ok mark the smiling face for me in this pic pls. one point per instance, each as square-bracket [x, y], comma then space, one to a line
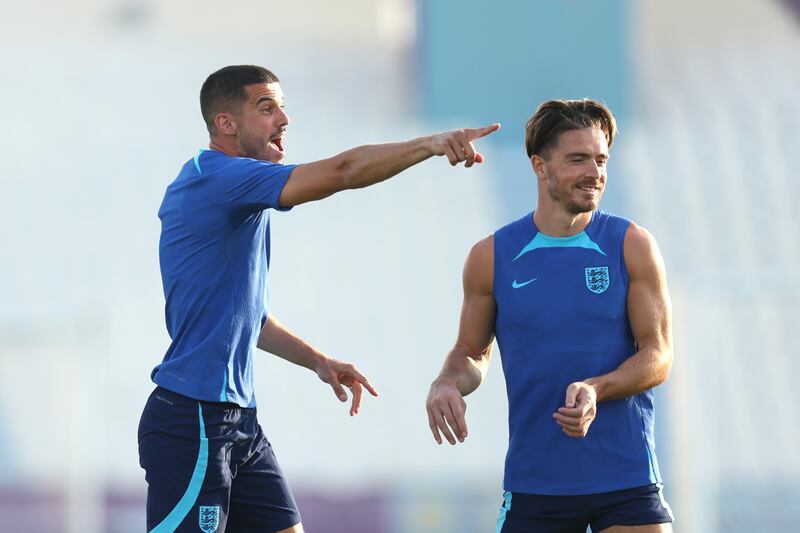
[261, 123]
[572, 172]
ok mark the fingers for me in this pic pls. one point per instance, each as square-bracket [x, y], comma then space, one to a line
[458, 151]
[572, 395]
[458, 409]
[457, 145]
[357, 393]
[574, 427]
[338, 390]
[452, 154]
[477, 133]
[447, 416]
[469, 153]
[575, 421]
[439, 419]
[434, 427]
[353, 374]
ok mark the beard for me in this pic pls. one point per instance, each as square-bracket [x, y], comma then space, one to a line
[566, 199]
[256, 147]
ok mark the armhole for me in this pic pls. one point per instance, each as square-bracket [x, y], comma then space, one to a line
[624, 263]
[494, 265]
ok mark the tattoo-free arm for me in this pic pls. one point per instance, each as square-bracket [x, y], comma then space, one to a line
[465, 366]
[650, 316]
[366, 165]
[278, 340]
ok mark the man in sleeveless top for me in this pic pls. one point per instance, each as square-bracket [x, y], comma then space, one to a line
[578, 301]
[208, 464]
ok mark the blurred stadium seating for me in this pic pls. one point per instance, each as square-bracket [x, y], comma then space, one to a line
[100, 108]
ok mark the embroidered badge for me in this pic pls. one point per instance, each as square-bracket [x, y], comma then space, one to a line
[209, 518]
[597, 279]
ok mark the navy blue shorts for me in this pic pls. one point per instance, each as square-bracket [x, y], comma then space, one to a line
[526, 513]
[209, 466]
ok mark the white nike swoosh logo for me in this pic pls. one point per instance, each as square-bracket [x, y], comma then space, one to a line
[518, 285]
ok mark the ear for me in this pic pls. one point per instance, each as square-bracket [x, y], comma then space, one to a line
[539, 166]
[225, 124]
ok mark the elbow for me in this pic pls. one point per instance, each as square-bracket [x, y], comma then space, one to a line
[347, 176]
[664, 366]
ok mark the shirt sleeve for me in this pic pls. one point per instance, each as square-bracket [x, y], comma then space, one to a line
[250, 185]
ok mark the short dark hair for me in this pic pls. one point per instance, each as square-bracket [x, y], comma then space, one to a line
[224, 90]
[554, 117]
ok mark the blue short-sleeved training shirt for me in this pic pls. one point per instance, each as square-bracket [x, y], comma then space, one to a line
[214, 255]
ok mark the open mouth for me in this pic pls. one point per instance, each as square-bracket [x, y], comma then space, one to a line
[277, 143]
[588, 188]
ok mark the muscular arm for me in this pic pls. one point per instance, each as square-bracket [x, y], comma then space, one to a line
[465, 366]
[278, 340]
[650, 317]
[367, 165]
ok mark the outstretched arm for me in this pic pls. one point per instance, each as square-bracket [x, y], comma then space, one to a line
[278, 340]
[650, 316]
[367, 165]
[465, 366]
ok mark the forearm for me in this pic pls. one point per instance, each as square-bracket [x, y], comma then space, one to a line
[465, 368]
[278, 340]
[645, 369]
[366, 165]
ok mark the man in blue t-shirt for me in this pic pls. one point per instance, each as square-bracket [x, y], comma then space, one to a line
[208, 464]
[578, 301]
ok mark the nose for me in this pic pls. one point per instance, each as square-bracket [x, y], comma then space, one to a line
[284, 119]
[595, 170]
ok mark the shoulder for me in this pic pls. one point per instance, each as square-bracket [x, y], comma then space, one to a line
[638, 239]
[479, 266]
[522, 223]
[642, 254]
[603, 219]
[482, 251]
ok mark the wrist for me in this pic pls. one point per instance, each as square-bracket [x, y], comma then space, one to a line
[596, 384]
[316, 359]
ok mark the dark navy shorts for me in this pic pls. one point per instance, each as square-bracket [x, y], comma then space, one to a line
[528, 513]
[209, 466]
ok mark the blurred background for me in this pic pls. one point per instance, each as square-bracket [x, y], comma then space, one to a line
[100, 106]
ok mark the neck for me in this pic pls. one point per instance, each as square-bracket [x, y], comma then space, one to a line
[225, 145]
[556, 222]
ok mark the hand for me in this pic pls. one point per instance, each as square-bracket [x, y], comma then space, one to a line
[338, 375]
[457, 145]
[446, 409]
[579, 411]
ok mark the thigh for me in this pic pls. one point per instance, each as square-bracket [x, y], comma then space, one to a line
[649, 528]
[261, 500]
[640, 510]
[525, 513]
[188, 479]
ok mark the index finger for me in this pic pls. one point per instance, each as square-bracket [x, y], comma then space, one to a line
[477, 133]
[364, 381]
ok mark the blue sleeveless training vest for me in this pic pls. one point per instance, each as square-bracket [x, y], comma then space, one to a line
[562, 317]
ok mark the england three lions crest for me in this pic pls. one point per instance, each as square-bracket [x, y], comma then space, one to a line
[597, 279]
[209, 518]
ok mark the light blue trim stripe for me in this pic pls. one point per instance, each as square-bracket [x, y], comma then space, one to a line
[223, 395]
[581, 240]
[664, 502]
[176, 516]
[505, 508]
[197, 160]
